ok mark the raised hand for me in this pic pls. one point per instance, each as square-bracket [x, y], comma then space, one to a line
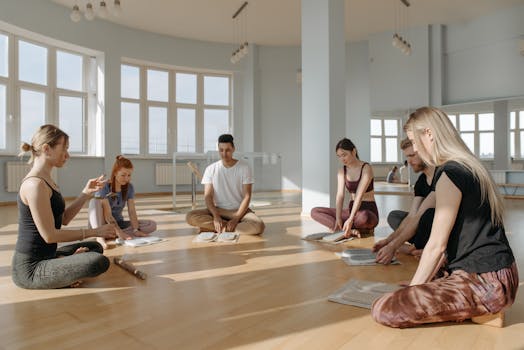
[94, 185]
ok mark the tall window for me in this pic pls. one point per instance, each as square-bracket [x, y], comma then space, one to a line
[384, 140]
[517, 134]
[158, 119]
[48, 85]
[477, 130]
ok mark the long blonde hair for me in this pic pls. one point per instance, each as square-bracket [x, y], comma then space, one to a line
[448, 145]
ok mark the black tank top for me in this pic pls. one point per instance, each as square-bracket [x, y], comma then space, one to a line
[29, 239]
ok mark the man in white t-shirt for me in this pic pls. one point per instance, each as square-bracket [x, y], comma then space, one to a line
[227, 193]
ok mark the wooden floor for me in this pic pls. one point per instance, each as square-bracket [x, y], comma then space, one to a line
[267, 292]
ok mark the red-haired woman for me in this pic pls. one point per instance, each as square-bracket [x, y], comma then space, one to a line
[111, 201]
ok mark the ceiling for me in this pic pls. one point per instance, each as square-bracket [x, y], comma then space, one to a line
[277, 22]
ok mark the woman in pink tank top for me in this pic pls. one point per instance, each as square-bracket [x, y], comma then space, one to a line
[361, 217]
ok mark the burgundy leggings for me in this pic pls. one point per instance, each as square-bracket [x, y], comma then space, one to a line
[366, 217]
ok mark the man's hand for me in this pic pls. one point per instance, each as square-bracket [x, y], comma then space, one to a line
[219, 224]
[386, 254]
[379, 245]
[231, 225]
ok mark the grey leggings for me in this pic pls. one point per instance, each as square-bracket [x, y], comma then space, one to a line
[62, 270]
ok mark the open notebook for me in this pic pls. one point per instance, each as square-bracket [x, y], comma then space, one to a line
[204, 237]
[362, 293]
[361, 256]
[328, 237]
[139, 241]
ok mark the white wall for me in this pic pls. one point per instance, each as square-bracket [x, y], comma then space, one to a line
[358, 108]
[280, 109]
[398, 81]
[482, 57]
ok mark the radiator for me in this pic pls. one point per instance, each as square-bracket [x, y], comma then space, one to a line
[164, 174]
[15, 172]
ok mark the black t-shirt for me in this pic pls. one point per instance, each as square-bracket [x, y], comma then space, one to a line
[422, 189]
[474, 244]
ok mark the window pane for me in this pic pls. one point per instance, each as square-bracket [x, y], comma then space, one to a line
[4, 55]
[130, 82]
[157, 85]
[521, 120]
[512, 120]
[32, 63]
[130, 128]
[521, 144]
[486, 145]
[512, 144]
[216, 123]
[467, 122]
[469, 140]
[157, 130]
[376, 149]
[391, 149]
[69, 71]
[453, 119]
[486, 122]
[390, 127]
[186, 139]
[71, 120]
[3, 99]
[376, 127]
[32, 113]
[216, 91]
[186, 88]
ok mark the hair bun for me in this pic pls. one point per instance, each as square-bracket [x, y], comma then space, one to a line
[26, 147]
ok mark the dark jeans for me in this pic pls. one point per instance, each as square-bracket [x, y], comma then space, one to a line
[423, 231]
[61, 270]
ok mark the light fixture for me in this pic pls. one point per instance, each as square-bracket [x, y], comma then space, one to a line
[75, 14]
[90, 13]
[239, 34]
[102, 9]
[398, 41]
[92, 9]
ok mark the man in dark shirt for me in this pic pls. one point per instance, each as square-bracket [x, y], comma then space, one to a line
[413, 226]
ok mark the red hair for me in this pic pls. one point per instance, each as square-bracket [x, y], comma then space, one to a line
[120, 162]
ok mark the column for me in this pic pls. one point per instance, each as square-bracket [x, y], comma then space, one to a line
[323, 99]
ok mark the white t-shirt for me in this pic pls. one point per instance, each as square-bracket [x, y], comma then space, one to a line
[227, 183]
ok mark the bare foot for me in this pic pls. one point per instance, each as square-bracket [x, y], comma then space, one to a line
[141, 234]
[102, 242]
[81, 250]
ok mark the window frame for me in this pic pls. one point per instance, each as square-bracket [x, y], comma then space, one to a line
[91, 60]
[518, 131]
[172, 107]
[476, 132]
[383, 137]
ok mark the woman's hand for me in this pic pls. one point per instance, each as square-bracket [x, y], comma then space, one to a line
[94, 185]
[338, 225]
[107, 231]
[348, 225]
